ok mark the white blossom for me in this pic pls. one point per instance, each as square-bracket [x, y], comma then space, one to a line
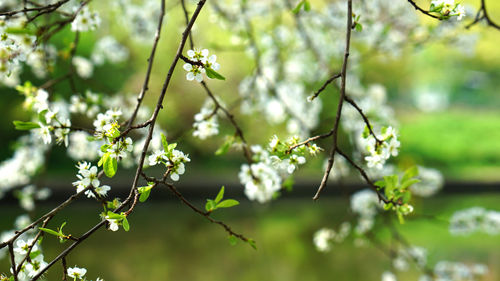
[113, 224]
[388, 276]
[266, 182]
[76, 273]
[322, 239]
[85, 20]
[84, 67]
[431, 181]
[474, 219]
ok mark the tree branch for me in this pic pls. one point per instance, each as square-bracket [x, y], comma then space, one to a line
[340, 103]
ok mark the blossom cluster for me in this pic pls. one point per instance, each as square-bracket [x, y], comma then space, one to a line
[28, 194]
[138, 18]
[53, 118]
[205, 122]
[109, 49]
[85, 20]
[263, 178]
[88, 176]
[431, 181]
[474, 219]
[324, 237]
[380, 152]
[22, 245]
[172, 158]
[447, 8]
[18, 48]
[195, 71]
[455, 271]
[28, 158]
[366, 204]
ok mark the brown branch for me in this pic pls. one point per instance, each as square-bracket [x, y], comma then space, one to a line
[427, 13]
[482, 14]
[41, 10]
[133, 190]
[381, 197]
[239, 132]
[30, 247]
[12, 260]
[246, 150]
[323, 87]
[65, 269]
[186, 18]
[186, 202]
[365, 119]
[307, 141]
[47, 215]
[340, 103]
[150, 60]
[187, 60]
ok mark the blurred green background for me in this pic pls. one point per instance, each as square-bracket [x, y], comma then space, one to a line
[169, 242]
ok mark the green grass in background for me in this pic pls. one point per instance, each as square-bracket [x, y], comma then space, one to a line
[462, 143]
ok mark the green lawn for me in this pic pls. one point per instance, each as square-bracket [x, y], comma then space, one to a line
[463, 143]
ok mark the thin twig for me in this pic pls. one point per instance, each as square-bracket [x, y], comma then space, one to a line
[423, 11]
[340, 103]
[150, 60]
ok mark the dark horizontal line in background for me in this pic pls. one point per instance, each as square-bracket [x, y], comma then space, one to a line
[306, 190]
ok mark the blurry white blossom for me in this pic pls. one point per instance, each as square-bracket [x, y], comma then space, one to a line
[474, 219]
[85, 20]
[108, 49]
[431, 181]
[322, 239]
[84, 67]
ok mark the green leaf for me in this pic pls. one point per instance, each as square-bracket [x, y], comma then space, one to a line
[406, 197]
[125, 224]
[23, 126]
[400, 217]
[227, 203]
[110, 166]
[366, 132]
[224, 148]
[232, 240]
[387, 206]
[213, 74]
[307, 6]
[380, 184]
[115, 216]
[252, 243]
[61, 227]
[164, 142]
[41, 116]
[408, 183]
[358, 27]
[144, 195]
[19, 30]
[410, 173]
[297, 8]
[220, 195]
[34, 254]
[171, 146]
[210, 205]
[103, 159]
[50, 231]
